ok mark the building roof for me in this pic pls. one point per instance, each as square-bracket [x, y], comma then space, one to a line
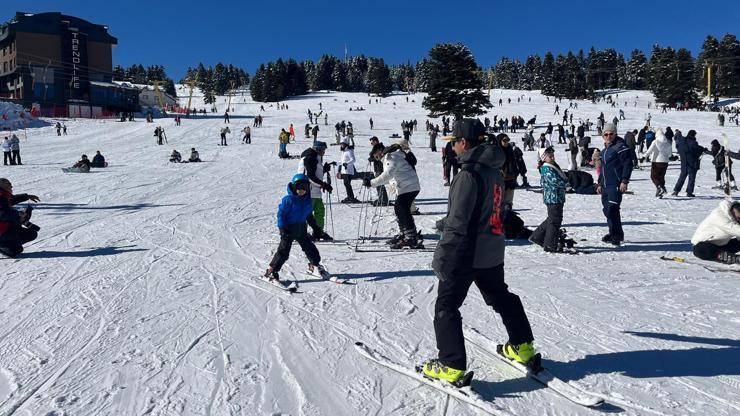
[50, 22]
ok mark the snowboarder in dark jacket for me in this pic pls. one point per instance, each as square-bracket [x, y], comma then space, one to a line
[472, 250]
[616, 169]
[15, 230]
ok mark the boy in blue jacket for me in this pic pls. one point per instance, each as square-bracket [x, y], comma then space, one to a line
[294, 210]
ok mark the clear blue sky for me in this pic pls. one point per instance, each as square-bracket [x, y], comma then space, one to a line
[178, 34]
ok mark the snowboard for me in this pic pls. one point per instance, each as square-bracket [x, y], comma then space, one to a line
[73, 170]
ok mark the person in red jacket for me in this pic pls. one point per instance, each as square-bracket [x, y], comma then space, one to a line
[15, 230]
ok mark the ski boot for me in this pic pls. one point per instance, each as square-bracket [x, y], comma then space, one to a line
[349, 200]
[321, 236]
[435, 370]
[272, 275]
[447, 183]
[407, 243]
[318, 271]
[522, 353]
[395, 239]
[728, 258]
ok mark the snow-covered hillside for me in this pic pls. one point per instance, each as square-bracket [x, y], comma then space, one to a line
[139, 296]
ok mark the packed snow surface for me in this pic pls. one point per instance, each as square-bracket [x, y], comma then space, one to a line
[139, 297]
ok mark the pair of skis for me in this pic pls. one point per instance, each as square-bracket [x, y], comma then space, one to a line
[463, 390]
[292, 286]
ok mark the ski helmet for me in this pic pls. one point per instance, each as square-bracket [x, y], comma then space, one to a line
[299, 177]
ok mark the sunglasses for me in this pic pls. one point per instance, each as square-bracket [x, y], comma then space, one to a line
[609, 134]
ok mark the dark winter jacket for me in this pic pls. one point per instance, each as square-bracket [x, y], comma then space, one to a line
[629, 140]
[693, 152]
[553, 182]
[310, 159]
[9, 217]
[470, 239]
[448, 155]
[293, 209]
[98, 161]
[616, 164]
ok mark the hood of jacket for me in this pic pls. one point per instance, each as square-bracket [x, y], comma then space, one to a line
[485, 156]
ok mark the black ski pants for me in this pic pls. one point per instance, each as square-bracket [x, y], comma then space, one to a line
[16, 158]
[689, 171]
[11, 243]
[718, 170]
[546, 235]
[451, 294]
[709, 251]
[294, 232]
[402, 208]
[8, 159]
[611, 201]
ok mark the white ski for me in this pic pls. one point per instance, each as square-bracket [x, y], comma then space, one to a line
[287, 286]
[543, 375]
[321, 273]
[464, 394]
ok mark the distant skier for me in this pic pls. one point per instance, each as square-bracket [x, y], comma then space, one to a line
[226, 117]
[15, 149]
[294, 210]
[7, 152]
[718, 236]
[15, 228]
[450, 165]
[283, 139]
[247, 135]
[224, 131]
[472, 250]
[718, 153]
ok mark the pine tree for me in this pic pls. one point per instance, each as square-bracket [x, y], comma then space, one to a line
[356, 70]
[339, 76]
[635, 72]
[423, 75]
[455, 88]
[548, 74]
[531, 74]
[324, 69]
[378, 77]
[728, 67]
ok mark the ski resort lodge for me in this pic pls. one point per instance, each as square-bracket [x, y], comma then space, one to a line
[61, 65]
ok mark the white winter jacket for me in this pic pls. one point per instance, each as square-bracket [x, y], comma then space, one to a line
[719, 227]
[348, 161]
[660, 149]
[398, 172]
[6, 145]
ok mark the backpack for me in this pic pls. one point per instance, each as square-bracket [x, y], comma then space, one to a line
[410, 159]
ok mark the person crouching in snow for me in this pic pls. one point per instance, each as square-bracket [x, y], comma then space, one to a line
[293, 212]
[554, 183]
[718, 236]
[398, 172]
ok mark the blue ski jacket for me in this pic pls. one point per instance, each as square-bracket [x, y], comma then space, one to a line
[616, 164]
[293, 209]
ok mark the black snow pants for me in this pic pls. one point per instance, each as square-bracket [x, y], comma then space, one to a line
[11, 242]
[294, 232]
[709, 251]
[402, 208]
[448, 322]
[546, 235]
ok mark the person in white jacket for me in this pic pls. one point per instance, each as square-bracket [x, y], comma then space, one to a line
[659, 152]
[718, 236]
[7, 158]
[347, 171]
[399, 173]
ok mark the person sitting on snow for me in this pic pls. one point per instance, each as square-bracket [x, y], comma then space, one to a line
[82, 165]
[194, 156]
[98, 161]
[175, 157]
[718, 237]
[15, 230]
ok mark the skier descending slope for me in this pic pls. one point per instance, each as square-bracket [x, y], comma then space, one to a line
[294, 210]
[472, 250]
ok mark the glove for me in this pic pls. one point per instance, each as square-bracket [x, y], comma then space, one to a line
[327, 167]
[326, 187]
[366, 182]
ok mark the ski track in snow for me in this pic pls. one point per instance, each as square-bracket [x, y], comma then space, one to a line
[139, 296]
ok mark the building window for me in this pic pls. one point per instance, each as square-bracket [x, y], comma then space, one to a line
[5, 67]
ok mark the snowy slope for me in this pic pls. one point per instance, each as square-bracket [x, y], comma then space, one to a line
[138, 297]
